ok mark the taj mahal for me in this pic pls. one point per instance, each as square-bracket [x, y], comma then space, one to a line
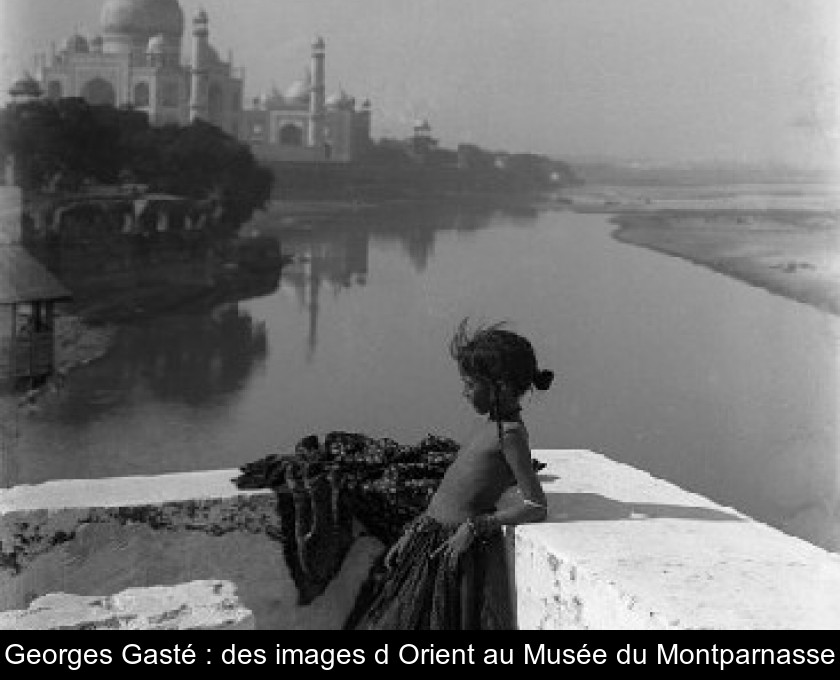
[137, 59]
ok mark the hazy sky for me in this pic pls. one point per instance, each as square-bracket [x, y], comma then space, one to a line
[657, 79]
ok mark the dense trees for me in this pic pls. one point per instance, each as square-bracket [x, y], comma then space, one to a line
[469, 168]
[393, 168]
[66, 143]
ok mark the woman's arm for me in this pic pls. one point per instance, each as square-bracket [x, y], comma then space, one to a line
[533, 506]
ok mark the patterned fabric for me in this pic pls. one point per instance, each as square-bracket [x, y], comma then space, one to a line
[422, 593]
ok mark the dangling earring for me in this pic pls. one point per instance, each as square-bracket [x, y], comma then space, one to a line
[497, 396]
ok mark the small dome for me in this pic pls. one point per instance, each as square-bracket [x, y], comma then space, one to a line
[341, 100]
[422, 125]
[318, 43]
[267, 98]
[272, 100]
[157, 45]
[297, 91]
[201, 17]
[26, 86]
[76, 44]
[366, 104]
[143, 18]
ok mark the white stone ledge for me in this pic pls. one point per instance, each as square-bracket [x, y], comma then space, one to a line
[200, 605]
[620, 550]
[100, 537]
[123, 491]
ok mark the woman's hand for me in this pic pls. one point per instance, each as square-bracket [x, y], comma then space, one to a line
[393, 554]
[457, 545]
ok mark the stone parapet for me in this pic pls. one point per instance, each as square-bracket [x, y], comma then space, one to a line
[624, 550]
[100, 537]
[620, 550]
[199, 605]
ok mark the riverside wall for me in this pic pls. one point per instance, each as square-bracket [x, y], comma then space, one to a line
[620, 550]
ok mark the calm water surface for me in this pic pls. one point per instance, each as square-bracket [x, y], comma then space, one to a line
[722, 388]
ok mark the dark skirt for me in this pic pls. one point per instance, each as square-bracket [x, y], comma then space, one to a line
[422, 592]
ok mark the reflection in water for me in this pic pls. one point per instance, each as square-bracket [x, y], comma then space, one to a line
[418, 229]
[336, 253]
[190, 359]
[158, 402]
[688, 375]
[338, 258]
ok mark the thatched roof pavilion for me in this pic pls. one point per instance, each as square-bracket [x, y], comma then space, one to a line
[27, 296]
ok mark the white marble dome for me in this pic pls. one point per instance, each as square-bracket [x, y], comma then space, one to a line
[341, 100]
[272, 100]
[142, 18]
[298, 91]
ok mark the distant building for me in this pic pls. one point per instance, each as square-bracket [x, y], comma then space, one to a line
[421, 142]
[301, 124]
[137, 61]
[28, 293]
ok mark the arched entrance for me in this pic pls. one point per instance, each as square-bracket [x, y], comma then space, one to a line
[99, 92]
[291, 135]
[141, 94]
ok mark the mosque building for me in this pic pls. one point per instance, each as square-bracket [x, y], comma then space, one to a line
[137, 60]
[302, 124]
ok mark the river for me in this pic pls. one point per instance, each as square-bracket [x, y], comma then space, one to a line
[719, 387]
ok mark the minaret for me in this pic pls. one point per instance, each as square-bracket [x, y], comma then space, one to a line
[317, 95]
[198, 92]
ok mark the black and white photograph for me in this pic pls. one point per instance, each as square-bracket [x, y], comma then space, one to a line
[331, 315]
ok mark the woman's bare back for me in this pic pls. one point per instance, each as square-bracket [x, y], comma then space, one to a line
[476, 478]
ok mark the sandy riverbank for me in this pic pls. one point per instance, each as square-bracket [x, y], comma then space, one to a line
[787, 241]
[790, 253]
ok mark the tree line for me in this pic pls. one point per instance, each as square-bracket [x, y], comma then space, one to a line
[62, 145]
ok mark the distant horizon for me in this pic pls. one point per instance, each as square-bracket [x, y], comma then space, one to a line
[744, 82]
[697, 163]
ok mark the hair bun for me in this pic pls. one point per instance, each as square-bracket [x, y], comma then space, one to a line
[543, 380]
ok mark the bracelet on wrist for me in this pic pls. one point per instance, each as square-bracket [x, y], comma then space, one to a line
[471, 526]
[482, 526]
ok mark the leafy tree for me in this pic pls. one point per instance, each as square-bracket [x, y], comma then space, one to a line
[65, 143]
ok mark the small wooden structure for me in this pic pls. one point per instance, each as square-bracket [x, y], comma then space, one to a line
[28, 293]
